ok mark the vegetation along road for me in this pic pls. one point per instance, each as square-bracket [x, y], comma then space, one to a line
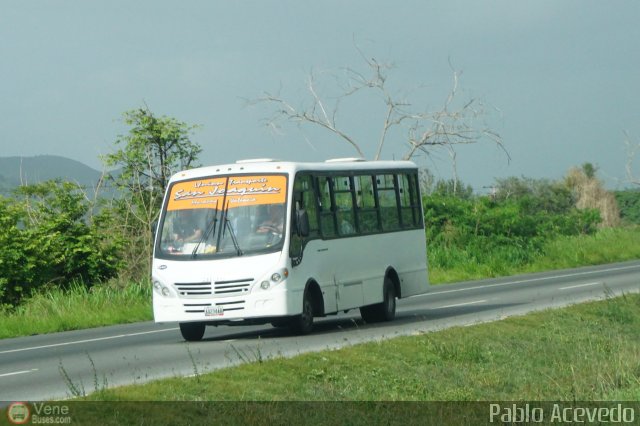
[74, 363]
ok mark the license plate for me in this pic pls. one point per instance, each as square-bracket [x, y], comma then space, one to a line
[213, 311]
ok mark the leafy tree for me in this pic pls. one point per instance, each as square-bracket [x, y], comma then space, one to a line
[629, 203]
[453, 188]
[589, 170]
[15, 265]
[153, 150]
[536, 195]
[51, 240]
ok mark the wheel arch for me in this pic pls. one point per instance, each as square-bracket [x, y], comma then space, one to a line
[317, 299]
[392, 274]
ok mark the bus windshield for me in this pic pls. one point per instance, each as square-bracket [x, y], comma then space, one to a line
[222, 217]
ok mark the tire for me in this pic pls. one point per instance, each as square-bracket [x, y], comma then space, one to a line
[385, 310]
[192, 331]
[303, 323]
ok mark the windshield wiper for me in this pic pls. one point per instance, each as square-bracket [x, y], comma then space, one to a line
[227, 224]
[234, 238]
[210, 227]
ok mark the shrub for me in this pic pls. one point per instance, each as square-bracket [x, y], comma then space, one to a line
[629, 204]
[510, 229]
[50, 239]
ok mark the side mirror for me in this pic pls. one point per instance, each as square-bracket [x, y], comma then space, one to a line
[302, 223]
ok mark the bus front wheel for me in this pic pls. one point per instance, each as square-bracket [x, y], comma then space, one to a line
[303, 323]
[192, 331]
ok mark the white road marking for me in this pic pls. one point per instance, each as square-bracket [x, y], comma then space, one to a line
[580, 285]
[76, 342]
[577, 274]
[461, 304]
[15, 373]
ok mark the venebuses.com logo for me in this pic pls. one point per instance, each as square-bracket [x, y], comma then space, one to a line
[18, 413]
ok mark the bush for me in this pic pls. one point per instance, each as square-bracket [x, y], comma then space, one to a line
[50, 239]
[511, 229]
[629, 204]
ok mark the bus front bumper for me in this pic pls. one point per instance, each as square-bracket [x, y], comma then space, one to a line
[251, 307]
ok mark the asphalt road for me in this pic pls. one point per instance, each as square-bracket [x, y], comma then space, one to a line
[56, 366]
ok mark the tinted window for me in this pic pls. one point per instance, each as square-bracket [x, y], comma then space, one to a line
[388, 202]
[327, 219]
[366, 205]
[344, 205]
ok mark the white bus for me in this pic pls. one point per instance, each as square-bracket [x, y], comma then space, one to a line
[265, 241]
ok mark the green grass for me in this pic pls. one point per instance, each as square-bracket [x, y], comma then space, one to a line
[78, 308]
[116, 304]
[605, 246]
[591, 352]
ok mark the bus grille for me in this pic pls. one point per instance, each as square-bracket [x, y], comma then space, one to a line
[218, 288]
[194, 289]
[232, 287]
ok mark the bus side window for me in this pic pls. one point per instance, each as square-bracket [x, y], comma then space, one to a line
[327, 209]
[408, 200]
[307, 201]
[388, 202]
[344, 205]
[366, 205]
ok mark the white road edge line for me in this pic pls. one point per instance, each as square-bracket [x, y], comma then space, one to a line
[579, 285]
[461, 304]
[76, 342]
[577, 274]
[15, 373]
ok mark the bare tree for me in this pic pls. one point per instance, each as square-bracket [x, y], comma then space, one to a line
[451, 125]
[632, 150]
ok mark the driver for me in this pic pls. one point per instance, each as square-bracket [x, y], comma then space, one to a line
[274, 222]
[188, 229]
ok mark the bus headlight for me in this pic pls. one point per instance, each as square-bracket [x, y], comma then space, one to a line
[276, 277]
[161, 289]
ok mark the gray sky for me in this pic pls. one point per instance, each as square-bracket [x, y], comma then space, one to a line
[564, 76]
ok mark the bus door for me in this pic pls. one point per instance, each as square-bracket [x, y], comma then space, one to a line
[338, 226]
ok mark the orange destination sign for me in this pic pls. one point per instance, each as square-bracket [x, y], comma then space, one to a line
[239, 191]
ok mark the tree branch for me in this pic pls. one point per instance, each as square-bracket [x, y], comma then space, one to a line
[427, 130]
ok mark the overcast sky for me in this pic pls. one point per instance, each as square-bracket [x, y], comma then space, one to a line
[563, 77]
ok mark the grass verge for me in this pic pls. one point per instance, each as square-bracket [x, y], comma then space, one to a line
[590, 352]
[605, 246]
[78, 308]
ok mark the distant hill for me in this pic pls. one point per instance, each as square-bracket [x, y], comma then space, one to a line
[15, 171]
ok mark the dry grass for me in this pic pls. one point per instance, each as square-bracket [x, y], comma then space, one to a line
[592, 195]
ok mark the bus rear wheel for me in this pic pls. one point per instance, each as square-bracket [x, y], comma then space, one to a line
[192, 331]
[385, 310]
